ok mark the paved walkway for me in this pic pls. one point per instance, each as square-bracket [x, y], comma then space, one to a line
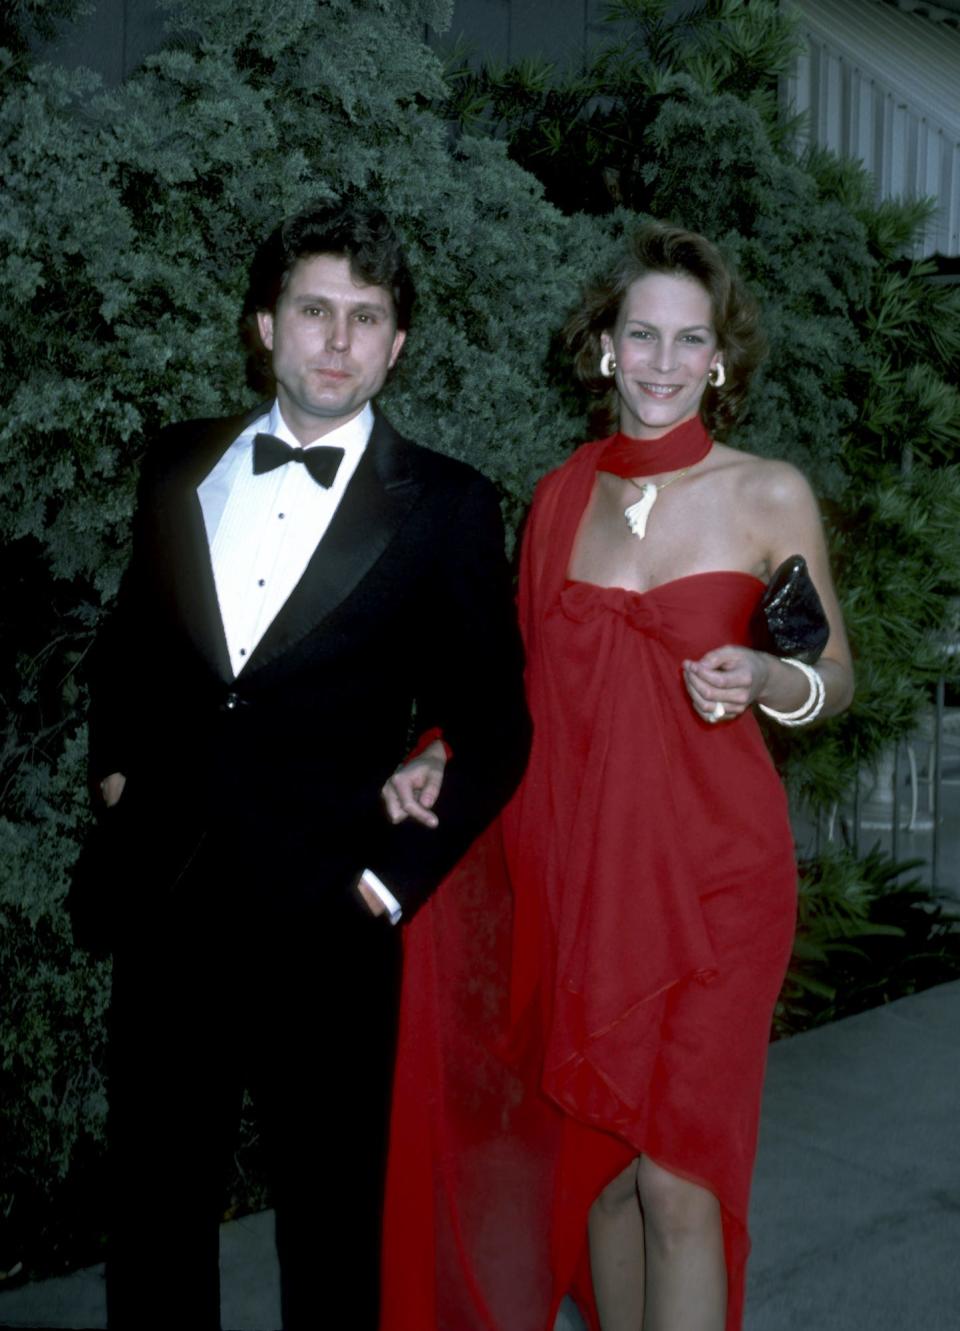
[856, 1206]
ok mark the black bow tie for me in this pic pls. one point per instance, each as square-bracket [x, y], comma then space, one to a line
[321, 462]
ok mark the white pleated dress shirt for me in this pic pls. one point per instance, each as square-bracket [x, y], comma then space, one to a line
[262, 532]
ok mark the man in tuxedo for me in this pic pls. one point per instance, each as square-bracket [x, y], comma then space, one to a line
[307, 591]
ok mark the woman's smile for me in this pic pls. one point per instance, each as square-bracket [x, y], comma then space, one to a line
[661, 391]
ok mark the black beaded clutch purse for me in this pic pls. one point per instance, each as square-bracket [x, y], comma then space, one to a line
[789, 620]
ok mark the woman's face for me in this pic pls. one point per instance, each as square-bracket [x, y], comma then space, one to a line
[665, 345]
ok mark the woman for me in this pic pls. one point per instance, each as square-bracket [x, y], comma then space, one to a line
[649, 847]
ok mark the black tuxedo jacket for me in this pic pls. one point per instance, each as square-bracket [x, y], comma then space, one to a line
[403, 620]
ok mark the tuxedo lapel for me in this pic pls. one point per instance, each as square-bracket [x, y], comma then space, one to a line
[380, 493]
[183, 553]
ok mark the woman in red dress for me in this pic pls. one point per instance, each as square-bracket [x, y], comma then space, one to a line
[649, 849]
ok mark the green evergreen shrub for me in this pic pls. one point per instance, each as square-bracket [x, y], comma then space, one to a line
[23, 21]
[866, 935]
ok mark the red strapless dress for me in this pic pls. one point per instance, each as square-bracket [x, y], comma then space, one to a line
[651, 865]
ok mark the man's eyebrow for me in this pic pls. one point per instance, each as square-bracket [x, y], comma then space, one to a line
[380, 307]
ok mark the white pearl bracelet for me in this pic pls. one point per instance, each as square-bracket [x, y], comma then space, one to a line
[813, 705]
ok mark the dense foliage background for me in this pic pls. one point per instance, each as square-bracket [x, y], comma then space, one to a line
[130, 215]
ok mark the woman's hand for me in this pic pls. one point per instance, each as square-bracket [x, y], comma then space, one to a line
[413, 789]
[726, 681]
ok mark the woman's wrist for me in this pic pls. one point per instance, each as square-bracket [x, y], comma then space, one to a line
[761, 675]
[810, 708]
[784, 688]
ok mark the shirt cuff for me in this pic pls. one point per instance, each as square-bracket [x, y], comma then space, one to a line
[391, 903]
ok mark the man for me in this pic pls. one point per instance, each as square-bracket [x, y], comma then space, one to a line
[302, 580]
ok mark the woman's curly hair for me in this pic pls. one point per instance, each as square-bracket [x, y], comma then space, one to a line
[659, 248]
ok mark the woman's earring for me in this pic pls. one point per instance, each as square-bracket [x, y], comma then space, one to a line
[717, 376]
[608, 365]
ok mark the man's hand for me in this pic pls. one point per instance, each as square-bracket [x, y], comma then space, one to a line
[111, 788]
[413, 789]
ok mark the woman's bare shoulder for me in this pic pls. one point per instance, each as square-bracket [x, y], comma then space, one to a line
[768, 483]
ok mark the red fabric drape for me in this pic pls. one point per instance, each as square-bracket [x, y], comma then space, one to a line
[595, 981]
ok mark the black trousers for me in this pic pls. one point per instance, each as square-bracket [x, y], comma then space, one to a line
[222, 990]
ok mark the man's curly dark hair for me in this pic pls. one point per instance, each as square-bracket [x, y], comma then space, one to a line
[348, 229]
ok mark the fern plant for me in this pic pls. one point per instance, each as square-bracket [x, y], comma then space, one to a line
[868, 932]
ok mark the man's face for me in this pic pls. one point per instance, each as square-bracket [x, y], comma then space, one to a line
[333, 343]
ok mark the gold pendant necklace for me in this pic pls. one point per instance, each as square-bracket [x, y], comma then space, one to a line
[637, 513]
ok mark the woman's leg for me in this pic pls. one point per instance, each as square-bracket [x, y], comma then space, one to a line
[656, 1253]
[686, 1273]
[616, 1253]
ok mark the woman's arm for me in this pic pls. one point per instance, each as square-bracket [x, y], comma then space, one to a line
[787, 522]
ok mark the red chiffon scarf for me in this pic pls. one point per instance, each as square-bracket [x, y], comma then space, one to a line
[683, 446]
